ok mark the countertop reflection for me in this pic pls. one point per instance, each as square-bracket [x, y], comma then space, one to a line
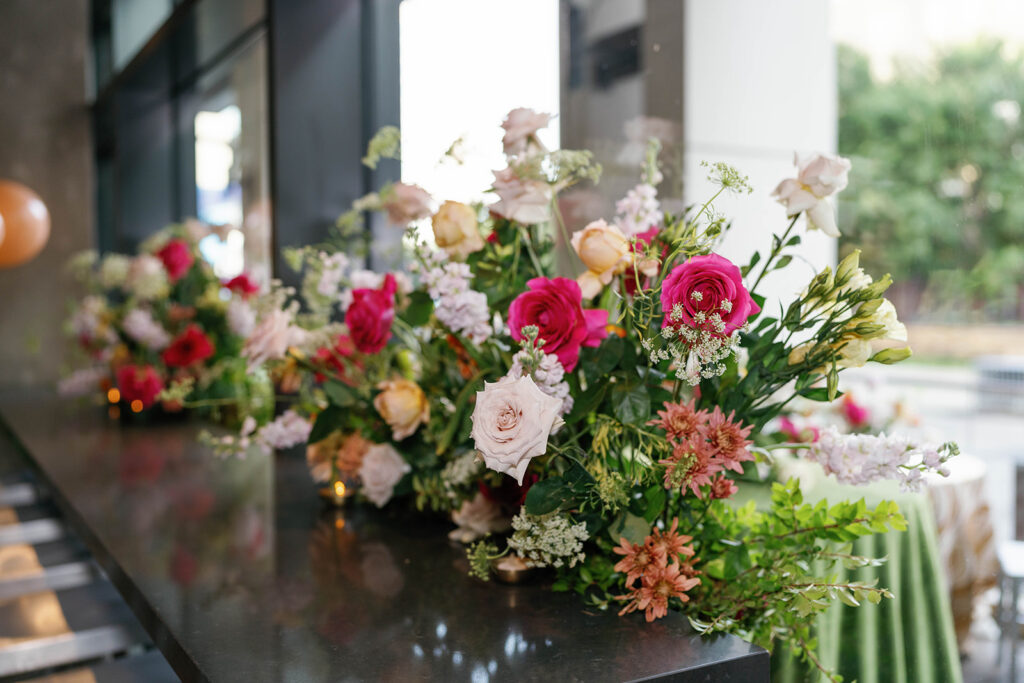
[239, 572]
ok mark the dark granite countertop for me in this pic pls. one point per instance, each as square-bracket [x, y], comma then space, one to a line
[240, 573]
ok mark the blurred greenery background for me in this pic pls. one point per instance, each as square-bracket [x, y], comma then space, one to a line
[936, 193]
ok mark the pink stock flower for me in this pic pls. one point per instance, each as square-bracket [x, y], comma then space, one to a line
[555, 307]
[707, 293]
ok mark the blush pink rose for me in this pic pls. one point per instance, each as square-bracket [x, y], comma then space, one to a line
[555, 306]
[707, 292]
[521, 125]
[370, 315]
[406, 203]
[177, 259]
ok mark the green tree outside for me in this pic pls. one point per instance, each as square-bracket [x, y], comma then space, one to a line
[936, 193]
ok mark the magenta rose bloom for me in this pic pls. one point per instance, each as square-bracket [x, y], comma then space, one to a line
[710, 295]
[177, 259]
[555, 306]
[370, 315]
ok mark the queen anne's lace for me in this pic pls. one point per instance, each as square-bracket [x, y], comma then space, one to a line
[548, 540]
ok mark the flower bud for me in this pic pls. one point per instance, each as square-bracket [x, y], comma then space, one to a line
[890, 356]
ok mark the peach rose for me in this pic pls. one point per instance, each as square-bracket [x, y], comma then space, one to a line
[403, 405]
[455, 230]
[381, 470]
[604, 250]
[512, 421]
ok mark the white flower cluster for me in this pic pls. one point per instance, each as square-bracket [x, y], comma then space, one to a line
[459, 308]
[287, 430]
[140, 325]
[87, 321]
[547, 372]
[696, 354]
[638, 210]
[82, 382]
[460, 471]
[114, 270]
[147, 278]
[332, 271]
[863, 458]
[241, 317]
[548, 540]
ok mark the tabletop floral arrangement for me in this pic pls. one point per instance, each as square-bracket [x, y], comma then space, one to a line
[159, 330]
[601, 425]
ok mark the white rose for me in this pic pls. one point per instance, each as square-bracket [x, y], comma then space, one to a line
[523, 201]
[382, 468]
[477, 518]
[511, 424]
[818, 178]
[521, 126]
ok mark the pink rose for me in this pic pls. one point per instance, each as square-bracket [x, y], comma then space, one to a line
[555, 306]
[520, 126]
[522, 201]
[707, 292]
[406, 203]
[177, 259]
[370, 315]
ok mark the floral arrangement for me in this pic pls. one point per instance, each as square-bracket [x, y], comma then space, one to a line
[604, 425]
[159, 330]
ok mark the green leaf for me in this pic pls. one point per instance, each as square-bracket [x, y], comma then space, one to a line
[587, 402]
[655, 497]
[634, 529]
[329, 419]
[339, 394]
[546, 496]
[631, 405]
[419, 309]
[608, 355]
[783, 262]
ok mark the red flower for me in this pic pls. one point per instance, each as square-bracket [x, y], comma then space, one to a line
[856, 415]
[555, 307]
[139, 383]
[243, 285]
[370, 315]
[189, 347]
[333, 359]
[177, 259]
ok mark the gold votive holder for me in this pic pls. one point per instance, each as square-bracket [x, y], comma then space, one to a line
[338, 492]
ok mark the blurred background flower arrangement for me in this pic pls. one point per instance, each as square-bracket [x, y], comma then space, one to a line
[158, 332]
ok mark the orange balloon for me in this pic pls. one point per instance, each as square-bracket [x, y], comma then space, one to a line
[26, 224]
[1, 230]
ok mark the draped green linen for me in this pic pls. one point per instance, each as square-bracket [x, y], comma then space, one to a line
[907, 639]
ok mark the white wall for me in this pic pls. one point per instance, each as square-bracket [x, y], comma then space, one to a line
[759, 83]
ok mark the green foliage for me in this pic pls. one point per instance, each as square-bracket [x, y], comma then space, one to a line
[934, 190]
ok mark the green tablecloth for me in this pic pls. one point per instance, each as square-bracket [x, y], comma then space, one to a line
[908, 639]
